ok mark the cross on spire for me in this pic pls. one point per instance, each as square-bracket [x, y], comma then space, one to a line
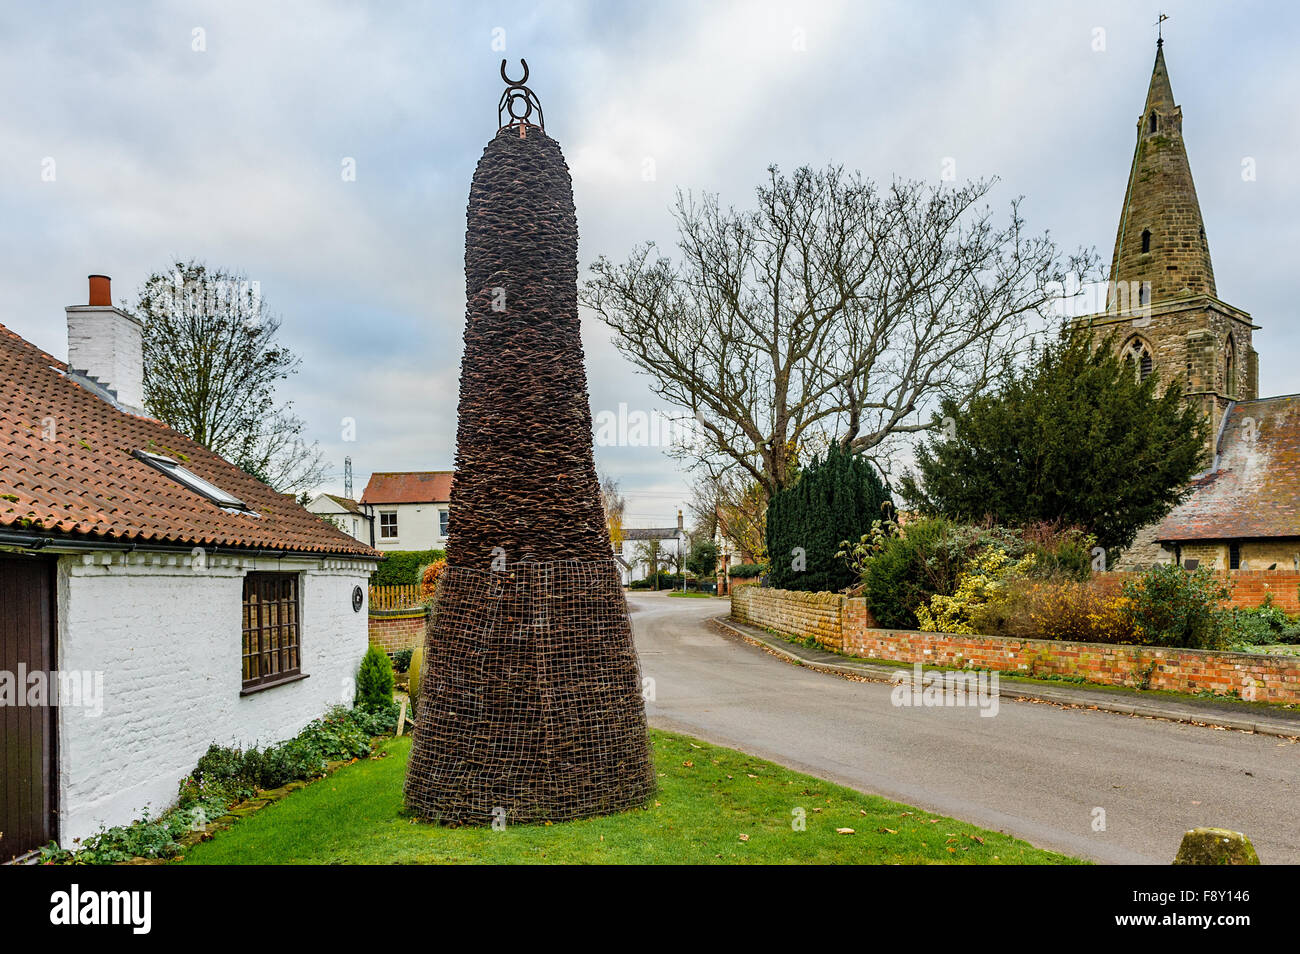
[1160, 38]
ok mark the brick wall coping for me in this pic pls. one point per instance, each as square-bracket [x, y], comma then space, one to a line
[417, 613]
[1017, 641]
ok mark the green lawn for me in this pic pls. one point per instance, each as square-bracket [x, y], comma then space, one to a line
[692, 594]
[714, 805]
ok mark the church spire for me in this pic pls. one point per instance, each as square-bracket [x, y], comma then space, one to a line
[1161, 245]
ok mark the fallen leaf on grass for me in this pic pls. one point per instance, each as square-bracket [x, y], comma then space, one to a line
[744, 838]
[887, 831]
[845, 831]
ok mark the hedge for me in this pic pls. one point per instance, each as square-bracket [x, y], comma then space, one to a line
[402, 567]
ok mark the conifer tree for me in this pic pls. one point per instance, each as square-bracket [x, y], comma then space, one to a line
[832, 500]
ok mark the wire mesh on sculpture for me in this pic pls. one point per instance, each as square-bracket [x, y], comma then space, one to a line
[531, 705]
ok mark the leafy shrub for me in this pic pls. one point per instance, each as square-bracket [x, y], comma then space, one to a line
[374, 680]
[1072, 610]
[1263, 625]
[746, 571]
[903, 569]
[1059, 552]
[290, 761]
[378, 722]
[667, 581]
[984, 584]
[225, 775]
[1170, 606]
[402, 567]
[429, 577]
[344, 733]
[907, 572]
[145, 838]
[402, 660]
[840, 495]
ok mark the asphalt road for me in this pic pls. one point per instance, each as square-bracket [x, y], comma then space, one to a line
[1034, 770]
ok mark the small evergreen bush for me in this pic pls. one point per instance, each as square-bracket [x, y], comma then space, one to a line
[374, 681]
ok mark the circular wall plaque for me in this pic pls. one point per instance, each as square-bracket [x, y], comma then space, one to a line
[358, 599]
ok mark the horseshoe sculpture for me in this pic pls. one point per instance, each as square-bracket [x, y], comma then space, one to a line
[518, 102]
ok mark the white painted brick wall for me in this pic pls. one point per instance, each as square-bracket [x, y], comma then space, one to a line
[168, 640]
[108, 344]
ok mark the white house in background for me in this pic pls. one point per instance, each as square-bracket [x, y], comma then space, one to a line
[177, 600]
[631, 552]
[410, 508]
[344, 513]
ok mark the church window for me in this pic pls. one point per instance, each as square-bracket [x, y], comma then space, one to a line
[1234, 556]
[1230, 369]
[1146, 240]
[1138, 354]
[1151, 123]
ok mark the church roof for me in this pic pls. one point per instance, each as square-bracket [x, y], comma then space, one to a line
[1253, 491]
[1161, 235]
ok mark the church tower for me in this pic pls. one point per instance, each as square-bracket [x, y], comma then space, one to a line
[1161, 302]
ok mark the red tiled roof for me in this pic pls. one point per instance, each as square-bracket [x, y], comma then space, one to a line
[85, 483]
[412, 486]
[1254, 492]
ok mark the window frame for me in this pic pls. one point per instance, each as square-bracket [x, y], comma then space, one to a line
[444, 519]
[382, 527]
[267, 632]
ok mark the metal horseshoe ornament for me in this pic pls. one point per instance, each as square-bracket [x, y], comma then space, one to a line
[518, 102]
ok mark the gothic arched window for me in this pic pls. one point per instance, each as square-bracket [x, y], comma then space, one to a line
[1137, 353]
[1151, 123]
[1230, 369]
[1146, 240]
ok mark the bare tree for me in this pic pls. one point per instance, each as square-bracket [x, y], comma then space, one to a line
[833, 311]
[730, 502]
[211, 363]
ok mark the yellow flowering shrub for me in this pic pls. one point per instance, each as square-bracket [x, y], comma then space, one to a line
[985, 583]
[1078, 611]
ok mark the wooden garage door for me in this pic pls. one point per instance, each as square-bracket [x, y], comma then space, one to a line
[27, 758]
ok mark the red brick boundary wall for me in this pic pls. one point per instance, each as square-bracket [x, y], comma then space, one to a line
[1253, 676]
[1249, 587]
[394, 630]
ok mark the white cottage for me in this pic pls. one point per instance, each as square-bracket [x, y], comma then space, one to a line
[154, 598]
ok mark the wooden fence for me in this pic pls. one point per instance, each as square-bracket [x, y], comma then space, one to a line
[395, 597]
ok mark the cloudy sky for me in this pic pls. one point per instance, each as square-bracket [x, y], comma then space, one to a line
[232, 154]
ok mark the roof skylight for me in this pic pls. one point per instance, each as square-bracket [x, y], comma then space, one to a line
[192, 480]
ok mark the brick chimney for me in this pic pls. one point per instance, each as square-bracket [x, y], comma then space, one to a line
[105, 346]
